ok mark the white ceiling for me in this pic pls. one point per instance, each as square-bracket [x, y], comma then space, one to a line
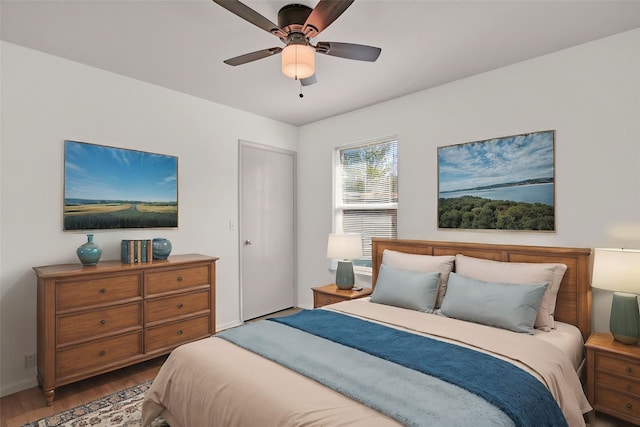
[180, 44]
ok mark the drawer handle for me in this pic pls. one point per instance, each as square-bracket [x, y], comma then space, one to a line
[628, 369]
[180, 305]
[179, 331]
[103, 290]
[103, 322]
[629, 406]
[102, 353]
[328, 299]
[179, 278]
[628, 387]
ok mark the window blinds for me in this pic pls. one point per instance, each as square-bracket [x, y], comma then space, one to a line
[367, 191]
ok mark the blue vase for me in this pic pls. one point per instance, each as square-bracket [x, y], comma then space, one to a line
[161, 248]
[89, 253]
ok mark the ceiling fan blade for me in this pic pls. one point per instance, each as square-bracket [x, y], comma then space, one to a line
[359, 52]
[325, 12]
[250, 15]
[311, 80]
[253, 56]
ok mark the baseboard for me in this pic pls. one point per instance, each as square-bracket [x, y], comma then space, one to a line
[6, 390]
[228, 325]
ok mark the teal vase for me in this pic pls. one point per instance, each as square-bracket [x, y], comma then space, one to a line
[161, 248]
[89, 253]
[624, 319]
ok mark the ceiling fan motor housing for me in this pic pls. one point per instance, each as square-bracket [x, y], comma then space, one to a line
[291, 18]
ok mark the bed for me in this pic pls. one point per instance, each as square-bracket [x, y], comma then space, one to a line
[388, 360]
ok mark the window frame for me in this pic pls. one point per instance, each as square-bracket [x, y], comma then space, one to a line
[361, 265]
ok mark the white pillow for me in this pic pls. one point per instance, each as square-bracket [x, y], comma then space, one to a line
[520, 273]
[425, 263]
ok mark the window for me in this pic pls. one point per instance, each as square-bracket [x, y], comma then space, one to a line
[366, 192]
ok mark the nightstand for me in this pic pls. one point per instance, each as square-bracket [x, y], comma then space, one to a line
[613, 377]
[330, 294]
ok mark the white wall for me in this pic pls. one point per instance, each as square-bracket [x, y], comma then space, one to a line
[46, 100]
[589, 94]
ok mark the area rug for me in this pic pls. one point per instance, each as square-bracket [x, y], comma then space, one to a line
[123, 408]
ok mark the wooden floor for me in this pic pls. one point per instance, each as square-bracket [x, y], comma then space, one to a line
[30, 405]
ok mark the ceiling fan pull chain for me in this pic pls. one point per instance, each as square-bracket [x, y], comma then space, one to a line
[301, 94]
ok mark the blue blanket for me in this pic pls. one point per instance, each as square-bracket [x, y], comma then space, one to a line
[516, 392]
[409, 397]
[416, 380]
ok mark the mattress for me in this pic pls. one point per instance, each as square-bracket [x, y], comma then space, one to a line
[215, 382]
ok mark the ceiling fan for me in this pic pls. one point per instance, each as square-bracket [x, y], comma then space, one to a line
[297, 25]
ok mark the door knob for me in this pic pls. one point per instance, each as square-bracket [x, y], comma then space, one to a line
[247, 242]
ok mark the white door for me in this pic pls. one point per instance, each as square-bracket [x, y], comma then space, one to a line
[267, 229]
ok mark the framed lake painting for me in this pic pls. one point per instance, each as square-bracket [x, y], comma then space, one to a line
[111, 188]
[505, 183]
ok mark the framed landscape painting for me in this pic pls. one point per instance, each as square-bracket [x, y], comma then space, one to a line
[505, 183]
[111, 188]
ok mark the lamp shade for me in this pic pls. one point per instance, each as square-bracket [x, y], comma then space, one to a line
[298, 61]
[344, 246]
[616, 270]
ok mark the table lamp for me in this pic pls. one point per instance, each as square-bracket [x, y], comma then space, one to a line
[618, 270]
[344, 248]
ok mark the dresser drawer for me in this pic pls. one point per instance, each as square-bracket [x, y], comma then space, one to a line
[82, 293]
[617, 402]
[167, 308]
[618, 366]
[82, 326]
[174, 334]
[325, 299]
[619, 384]
[175, 279]
[97, 354]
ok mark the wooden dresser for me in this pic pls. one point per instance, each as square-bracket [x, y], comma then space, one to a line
[94, 319]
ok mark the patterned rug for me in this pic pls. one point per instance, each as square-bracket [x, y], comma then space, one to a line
[123, 408]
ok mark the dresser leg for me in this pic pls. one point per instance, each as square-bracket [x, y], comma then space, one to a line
[48, 394]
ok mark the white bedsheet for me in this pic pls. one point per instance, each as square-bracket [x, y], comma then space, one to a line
[568, 339]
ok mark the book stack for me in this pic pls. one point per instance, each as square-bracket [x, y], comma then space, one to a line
[134, 251]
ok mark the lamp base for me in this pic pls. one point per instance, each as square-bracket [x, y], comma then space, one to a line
[625, 318]
[344, 275]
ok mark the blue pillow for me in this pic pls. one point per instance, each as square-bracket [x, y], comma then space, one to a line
[415, 290]
[503, 305]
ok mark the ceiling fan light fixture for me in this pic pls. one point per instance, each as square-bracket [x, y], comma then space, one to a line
[298, 61]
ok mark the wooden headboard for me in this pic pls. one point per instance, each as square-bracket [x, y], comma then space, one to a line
[574, 298]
